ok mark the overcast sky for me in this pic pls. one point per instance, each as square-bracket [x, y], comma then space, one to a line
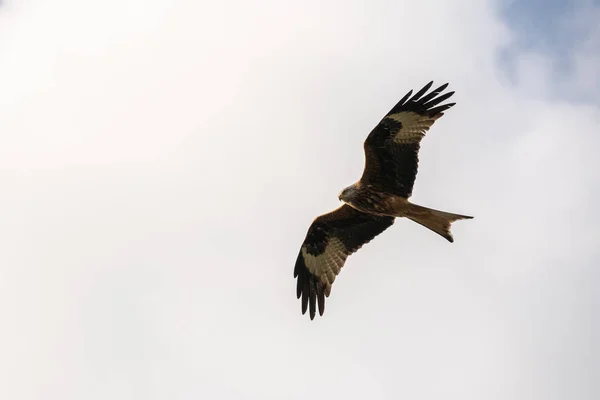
[161, 161]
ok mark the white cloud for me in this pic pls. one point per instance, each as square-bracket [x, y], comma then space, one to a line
[161, 162]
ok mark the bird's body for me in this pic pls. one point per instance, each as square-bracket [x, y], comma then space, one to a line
[372, 203]
[369, 200]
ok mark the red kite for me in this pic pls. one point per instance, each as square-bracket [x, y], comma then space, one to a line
[373, 203]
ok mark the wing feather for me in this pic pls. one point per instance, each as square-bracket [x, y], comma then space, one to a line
[392, 147]
[330, 239]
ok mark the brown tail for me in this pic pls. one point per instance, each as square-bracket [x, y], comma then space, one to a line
[437, 221]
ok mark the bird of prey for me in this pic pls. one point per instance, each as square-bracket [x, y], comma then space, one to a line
[371, 205]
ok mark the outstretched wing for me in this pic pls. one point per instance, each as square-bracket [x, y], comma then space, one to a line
[331, 238]
[392, 147]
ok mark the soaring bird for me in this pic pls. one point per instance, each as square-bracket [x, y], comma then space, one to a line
[372, 204]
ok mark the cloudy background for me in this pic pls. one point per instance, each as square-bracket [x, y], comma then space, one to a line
[161, 161]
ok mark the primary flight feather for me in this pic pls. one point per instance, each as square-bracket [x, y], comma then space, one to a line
[373, 203]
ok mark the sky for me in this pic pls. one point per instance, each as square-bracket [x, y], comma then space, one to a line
[161, 161]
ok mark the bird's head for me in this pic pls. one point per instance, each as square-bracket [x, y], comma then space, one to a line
[347, 194]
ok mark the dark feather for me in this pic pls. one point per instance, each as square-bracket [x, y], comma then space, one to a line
[421, 92]
[353, 229]
[390, 166]
[434, 93]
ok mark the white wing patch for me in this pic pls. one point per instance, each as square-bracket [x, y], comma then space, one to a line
[414, 126]
[328, 265]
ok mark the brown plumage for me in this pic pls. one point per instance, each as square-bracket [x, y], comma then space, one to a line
[372, 204]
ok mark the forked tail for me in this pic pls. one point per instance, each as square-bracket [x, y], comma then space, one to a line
[437, 221]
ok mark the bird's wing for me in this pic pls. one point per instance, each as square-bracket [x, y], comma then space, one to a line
[392, 147]
[330, 239]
